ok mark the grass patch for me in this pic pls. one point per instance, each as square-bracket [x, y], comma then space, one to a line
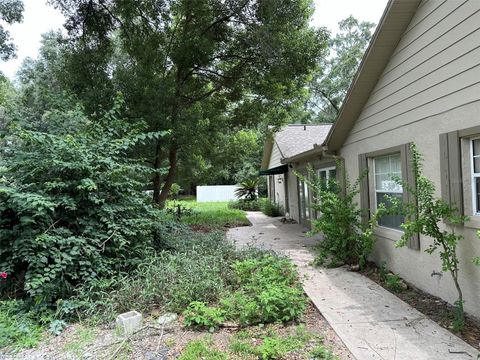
[82, 338]
[211, 215]
[19, 327]
[275, 346]
[202, 349]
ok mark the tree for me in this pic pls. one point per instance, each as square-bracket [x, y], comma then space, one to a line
[424, 216]
[194, 68]
[11, 11]
[331, 83]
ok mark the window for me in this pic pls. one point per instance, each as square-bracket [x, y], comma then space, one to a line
[385, 169]
[475, 154]
[328, 177]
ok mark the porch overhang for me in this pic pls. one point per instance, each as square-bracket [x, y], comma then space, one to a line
[282, 169]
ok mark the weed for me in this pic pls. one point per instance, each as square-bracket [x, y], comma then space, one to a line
[272, 346]
[394, 282]
[320, 352]
[199, 315]
[383, 271]
[201, 349]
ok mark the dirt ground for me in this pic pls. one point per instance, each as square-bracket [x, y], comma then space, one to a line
[80, 341]
[436, 309]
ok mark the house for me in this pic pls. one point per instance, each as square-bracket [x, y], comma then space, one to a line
[419, 82]
[286, 153]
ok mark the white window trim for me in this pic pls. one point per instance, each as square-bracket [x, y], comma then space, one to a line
[327, 169]
[474, 175]
[375, 191]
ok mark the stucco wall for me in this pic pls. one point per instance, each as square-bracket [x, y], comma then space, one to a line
[430, 86]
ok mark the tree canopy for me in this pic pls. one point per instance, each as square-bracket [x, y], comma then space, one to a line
[11, 12]
[195, 68]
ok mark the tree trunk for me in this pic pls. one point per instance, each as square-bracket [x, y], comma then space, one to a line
[157, 179]
[167, 185]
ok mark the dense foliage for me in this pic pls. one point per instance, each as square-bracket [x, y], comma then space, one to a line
[346, 238]
[72, 205]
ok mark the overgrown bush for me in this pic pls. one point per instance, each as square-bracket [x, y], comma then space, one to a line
[270, 208]
[72, 206]
[346, 239]
[245, 205]
[195, 267]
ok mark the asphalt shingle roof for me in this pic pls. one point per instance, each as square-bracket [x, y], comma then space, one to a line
[296, 139]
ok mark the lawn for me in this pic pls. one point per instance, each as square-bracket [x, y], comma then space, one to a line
[211, 215]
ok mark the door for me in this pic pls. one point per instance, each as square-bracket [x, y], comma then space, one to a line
[304, 203]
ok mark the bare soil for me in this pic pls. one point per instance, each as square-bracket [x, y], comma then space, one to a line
[80, 341]
[433, 307]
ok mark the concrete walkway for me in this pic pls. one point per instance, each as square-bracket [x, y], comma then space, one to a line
[372, 322]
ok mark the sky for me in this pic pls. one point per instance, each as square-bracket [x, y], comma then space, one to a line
[40, 18]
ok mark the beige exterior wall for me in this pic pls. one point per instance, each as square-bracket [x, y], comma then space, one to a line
[279, 180]
[430, 86]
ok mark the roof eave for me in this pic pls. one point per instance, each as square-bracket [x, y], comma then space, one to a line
[306, 155]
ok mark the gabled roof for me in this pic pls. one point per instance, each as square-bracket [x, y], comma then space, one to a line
[393, 24]
[293, 140]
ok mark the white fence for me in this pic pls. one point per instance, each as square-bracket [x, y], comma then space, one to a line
[216, 193]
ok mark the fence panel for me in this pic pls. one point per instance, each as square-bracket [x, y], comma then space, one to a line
[215, 193]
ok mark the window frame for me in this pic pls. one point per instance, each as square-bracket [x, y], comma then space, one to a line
[473, 177]
[367, 190]
[374, 185]
[327, 170]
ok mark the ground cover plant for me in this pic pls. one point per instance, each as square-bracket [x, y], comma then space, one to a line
[265, 290]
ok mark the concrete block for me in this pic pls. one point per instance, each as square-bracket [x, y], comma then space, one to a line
[129, 322]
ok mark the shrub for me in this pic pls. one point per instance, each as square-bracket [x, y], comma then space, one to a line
[247, 189]
[72, 206]
[270, 208]
[245, 205]
[199, 315]
[345, 237]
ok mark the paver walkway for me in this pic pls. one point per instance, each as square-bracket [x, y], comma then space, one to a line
[372, 322]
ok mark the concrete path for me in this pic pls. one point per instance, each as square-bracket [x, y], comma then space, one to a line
[372, 322]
